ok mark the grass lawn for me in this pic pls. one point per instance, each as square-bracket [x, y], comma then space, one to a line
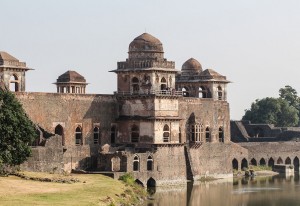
[93, 189]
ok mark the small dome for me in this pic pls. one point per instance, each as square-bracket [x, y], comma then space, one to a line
[191, 65]
[146, 42]
[71, 76]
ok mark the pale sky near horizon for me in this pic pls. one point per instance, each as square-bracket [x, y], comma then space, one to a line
[255, 43]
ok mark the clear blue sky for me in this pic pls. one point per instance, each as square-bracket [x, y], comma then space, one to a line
[255, 43]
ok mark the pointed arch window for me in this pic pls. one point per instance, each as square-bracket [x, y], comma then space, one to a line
[59, 130]
[149, 163]
[207, 134]
[163, 84]
[136, 163]
[166, 133]
[135, 85]
[135, 134]
[78, 136]
[221, 135]
[96, 135]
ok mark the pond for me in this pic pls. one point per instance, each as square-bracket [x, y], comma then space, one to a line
[258, 191]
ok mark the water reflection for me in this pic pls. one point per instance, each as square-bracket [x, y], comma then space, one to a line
[269, 191]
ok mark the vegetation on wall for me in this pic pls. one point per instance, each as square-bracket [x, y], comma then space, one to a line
[16, 131]
[283, 111]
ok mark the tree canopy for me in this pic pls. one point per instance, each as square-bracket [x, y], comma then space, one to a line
[16, 130]
[282, 111]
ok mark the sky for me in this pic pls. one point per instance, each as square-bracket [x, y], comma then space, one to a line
[254, 43]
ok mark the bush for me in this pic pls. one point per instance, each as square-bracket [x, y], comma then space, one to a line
[127, 178]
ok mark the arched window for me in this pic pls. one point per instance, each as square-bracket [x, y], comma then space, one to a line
[288, 161]
[78, 136]
[185, 92]
[166, 133]
[207, 134]
[244, 164]
[136, 163]
[14, 83]
[59, 130]
[271, 162]
[113, 134]
[196, 133]
[253, 162]
[296, 164]
[96, 135]
[221, 135]
[279, 161]
[135, 133]
[220, 93]
[163, 84]
[135, 85]
[202, 92]
[149, 163]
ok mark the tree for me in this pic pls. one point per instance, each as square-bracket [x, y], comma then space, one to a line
[275, 111]
[290, 95]
[16, 131]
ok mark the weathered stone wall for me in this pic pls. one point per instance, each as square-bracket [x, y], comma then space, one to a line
[215, 159]
[71, 110]
[210, 113]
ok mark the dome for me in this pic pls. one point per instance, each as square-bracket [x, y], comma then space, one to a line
[71, 76]
[191, 65]
[146, 43]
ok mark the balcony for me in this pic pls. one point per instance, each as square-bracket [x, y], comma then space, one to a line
[149, 92]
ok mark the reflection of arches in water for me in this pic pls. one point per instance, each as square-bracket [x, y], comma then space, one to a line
[235, 164]
[296, 164]
[271, 162]
[262, 162]
[279, 161]
[253, 162]
[244, 164]
[288, 161]
[137, 181]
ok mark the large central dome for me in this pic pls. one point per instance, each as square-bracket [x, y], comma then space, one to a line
[146, 43]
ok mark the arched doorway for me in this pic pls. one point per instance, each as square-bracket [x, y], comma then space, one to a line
[253, 162]
[185, 92]
[59, 130]
[244, 164]
[137, 181]
[262, 162]
[288, 161]
[235, 164]
[279, 161]
[151, 182]
[163, 84]
[14, 83]
[135, 85]
[271, 162]
[296, 164]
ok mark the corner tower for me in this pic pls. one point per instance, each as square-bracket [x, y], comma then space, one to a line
[12, 72]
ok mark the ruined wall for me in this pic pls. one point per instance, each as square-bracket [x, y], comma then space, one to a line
[48, 158]
[71, 110]
[210, 113]
[215, 159]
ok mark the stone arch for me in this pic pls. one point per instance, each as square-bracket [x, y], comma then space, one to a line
[235, 164]
[296, 164]
[221, 134]
[136, 163]
[115, 164]
[288, 161]
[262, 162]
[253, 162]
[59, 130]
[78, 135]
[14, 83]
[279, 161]
[139, 182]
[207, 135]
[244, 163]
[166, 133]
[135, 85]
[149, 163]
[151, 182]
[271, 162]
[220, 93]
[163, 84]
[185, 92]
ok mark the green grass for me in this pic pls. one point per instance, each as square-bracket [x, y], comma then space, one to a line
[93, 189]
[259, 167]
